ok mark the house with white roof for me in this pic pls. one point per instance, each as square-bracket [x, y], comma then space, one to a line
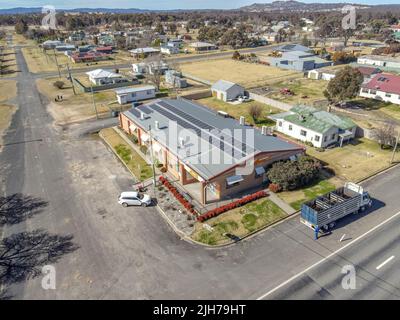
[127, 95]
[101, 77]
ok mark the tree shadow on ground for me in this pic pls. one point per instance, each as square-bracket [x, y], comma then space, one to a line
[18, 207]
[22, 255]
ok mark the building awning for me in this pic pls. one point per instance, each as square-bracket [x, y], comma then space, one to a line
[234, 179]
[260, 171]
[145, 137]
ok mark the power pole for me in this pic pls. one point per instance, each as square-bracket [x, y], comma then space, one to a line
[70, 78]
[94, 102]
[395, 146]
[58, 67]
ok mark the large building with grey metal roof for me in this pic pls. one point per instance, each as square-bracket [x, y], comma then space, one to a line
[211, 154]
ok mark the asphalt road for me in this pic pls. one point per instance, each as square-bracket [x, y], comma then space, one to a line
[376, 262]
[117, 253]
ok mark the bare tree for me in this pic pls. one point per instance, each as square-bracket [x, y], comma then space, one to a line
[385, 135]
[154, 65]
[255, 112]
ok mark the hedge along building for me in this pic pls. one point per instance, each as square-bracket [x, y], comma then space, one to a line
[212, 156]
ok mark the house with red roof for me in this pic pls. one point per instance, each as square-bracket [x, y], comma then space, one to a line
[383, 87]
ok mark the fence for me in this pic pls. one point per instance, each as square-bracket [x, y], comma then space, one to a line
[271, 102]
[85, 89]
[189, 76]
[197, 95]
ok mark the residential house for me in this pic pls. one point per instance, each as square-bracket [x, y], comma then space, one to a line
[139, 68]
[169, 50]
[102, 77]
[385, 63]
[299, 61]
[226, 90]
[106, 50]
[77, 36]
[85, 57]
[144, 52]
[65, 47]
[368, 72]
[175, 79]
[51, 44]
[106, 40]
[320, 128]
[203, 151]
[128, 95]
[202, 46]
[176, 43]
[270, 37]
[382, 87]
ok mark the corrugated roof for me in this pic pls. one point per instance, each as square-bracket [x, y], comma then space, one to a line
[385, 82]
[223, 85]
[316, 120]
[228, 143]
[135, 89]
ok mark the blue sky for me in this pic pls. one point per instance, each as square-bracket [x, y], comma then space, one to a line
[155, 4]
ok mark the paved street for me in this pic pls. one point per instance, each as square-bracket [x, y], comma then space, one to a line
[117, 253]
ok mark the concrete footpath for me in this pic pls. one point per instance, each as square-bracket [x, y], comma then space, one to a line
[281, 204]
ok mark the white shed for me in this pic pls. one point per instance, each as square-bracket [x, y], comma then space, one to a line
[226, 90]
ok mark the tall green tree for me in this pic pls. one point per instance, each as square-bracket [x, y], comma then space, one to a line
[346, 85]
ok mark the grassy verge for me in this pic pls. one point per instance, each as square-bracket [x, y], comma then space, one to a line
[242, 109]
[138, 166]
[298, 197]
[8, 89]
[6, 112]
[239, 222]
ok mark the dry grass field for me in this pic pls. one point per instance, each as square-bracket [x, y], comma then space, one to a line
[74, 108]
[247, 74]
[8, 90]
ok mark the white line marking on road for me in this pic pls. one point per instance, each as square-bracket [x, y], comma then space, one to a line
[385, 262]
[327, 257]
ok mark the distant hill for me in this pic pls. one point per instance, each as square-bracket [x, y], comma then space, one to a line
[296, 6]
[82, 10]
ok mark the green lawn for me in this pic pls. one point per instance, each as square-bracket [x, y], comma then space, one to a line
[242, 109]
[239, 222]
[139, 167]
[298, 197]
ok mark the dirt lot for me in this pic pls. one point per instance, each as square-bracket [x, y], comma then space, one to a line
[9, 63]
[247, 74]
[242, 109]
[38, 61]
[305, 91]
[74, 108]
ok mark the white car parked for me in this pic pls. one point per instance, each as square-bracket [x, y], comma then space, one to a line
[133, 198]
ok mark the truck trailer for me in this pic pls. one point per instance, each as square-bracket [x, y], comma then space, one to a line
[322, 213]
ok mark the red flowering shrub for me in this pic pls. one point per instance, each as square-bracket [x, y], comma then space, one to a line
[275, 188]
[233, 205]
[186, 204]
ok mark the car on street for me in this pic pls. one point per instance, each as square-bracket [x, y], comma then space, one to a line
[133, 198]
